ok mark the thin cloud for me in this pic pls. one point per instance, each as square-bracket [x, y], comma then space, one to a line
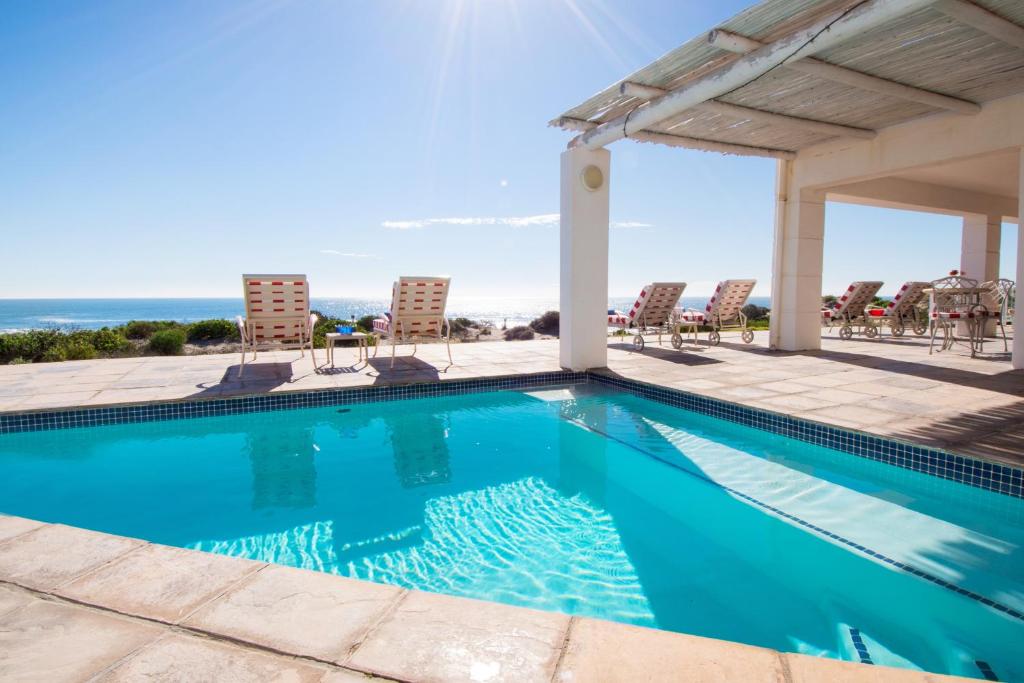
[544, 219]
[347, 254]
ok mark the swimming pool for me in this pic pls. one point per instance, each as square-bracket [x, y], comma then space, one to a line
[581, 499]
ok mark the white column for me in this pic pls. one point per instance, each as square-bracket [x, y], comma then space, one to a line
[797, 265]
[583, 294]
[979, 252]
[1018, 321]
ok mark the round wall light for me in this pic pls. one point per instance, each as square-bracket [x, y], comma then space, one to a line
[592, 177]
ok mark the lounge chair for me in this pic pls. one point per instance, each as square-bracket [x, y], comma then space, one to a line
[417, 313]
[849, 310]
[276, 315]
[651, 312]
[900, 313]
[724, 311]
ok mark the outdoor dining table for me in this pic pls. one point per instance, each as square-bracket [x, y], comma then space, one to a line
[964, 300]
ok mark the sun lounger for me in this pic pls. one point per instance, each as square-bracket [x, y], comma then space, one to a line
[849, 310]
[276, 315]
[417, 313]
[900, 313]
[724, 311]
[651, 313]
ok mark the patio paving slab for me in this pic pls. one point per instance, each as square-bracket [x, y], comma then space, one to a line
[186, 659]
[298, 611]
[54, 554]
[431, 637]
[12, 598]
[159, 582]
[16, 526]
[50, 642]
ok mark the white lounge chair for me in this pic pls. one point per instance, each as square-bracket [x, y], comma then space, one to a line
[900, 313]
[276, 315]
[724, 311]
[417, 313]
[651, 312]
[849, 310]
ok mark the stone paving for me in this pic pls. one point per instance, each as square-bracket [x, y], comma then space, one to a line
[892, 387]
[77, 605]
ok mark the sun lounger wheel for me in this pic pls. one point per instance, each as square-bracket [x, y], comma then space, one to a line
[677, 341]
[714, 338]
[920, 329]
[638, 343]
[747, 336]
[846, 332]
[898, 330]
[870, 331]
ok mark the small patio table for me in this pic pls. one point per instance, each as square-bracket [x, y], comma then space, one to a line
[361, 338]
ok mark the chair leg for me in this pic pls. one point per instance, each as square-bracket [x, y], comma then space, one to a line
[392, 353]
[448, 343]
[312, 354]
[935, 328]
[241, 367]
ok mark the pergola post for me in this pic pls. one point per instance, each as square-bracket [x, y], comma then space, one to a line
[583, 293]
[1017, 360]
[797, 265]
[979, 251]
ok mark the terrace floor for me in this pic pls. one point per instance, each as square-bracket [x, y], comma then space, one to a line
[893, 387]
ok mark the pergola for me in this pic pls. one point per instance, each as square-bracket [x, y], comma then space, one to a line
[914, 104]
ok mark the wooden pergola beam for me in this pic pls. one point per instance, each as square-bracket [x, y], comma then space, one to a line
[983, 20]
[649, 92]
[732, 42]
[684, 142]
[827, 32]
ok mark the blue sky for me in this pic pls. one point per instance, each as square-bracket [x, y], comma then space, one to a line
[162, 149]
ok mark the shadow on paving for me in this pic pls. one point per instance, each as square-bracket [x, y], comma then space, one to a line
[993, 432]
[684, 356]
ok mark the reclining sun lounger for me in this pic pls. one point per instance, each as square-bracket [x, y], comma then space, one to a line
[417, 313]
[849, 310]
[276, 315]
[724, 311]
[900, 313]
[651, 313]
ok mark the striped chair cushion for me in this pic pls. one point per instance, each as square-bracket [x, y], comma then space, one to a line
[617, 319]
[691, 317]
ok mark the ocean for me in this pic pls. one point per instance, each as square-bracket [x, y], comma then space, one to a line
[70, 314]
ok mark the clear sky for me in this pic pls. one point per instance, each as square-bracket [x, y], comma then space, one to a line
[162, 149]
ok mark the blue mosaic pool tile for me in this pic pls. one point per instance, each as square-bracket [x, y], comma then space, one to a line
[978, 473]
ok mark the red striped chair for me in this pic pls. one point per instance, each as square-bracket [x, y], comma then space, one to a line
[417, 313]
[724, 310]
[651, 312]
[957, 299]
[900, 312]
[849, 309]
[276, 315]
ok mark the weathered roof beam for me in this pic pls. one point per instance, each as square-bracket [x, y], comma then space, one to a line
[983, 20]
[649, 92]
[732, 42]
[682, 141]
[821, 35]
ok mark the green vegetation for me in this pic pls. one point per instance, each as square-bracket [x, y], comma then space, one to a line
[546, 323]
[168, 342]
[213, 330]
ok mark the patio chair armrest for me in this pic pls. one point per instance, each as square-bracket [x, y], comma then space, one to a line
[312, 321]
[447, 327]
[240, 321]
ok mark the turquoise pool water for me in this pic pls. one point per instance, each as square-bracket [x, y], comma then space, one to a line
[580, 499]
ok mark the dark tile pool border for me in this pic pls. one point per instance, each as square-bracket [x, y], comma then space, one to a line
[966, 470]
[973, 472]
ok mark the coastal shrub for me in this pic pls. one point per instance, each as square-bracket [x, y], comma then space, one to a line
[54, 354]
[109, 341]
[18, 361]
[144, 329]
[29, 346]
[755, 312]
[520, 333]
[546, 323]
[79, 349]
[460, 325]
[365, 324]
[209, 330]
[167, 342]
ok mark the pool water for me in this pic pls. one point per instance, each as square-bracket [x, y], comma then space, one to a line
[579, 499]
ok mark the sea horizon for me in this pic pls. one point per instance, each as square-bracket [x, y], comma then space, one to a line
[90, 313]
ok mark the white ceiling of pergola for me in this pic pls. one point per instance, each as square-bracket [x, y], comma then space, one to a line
[930, 49]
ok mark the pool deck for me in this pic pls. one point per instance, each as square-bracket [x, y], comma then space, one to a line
[77, 605]
[969, 406]
[80, 605]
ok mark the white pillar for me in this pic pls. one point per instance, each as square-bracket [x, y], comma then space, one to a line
[797, 265]
[583, 294]
[1018, 321]
[979, 252]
